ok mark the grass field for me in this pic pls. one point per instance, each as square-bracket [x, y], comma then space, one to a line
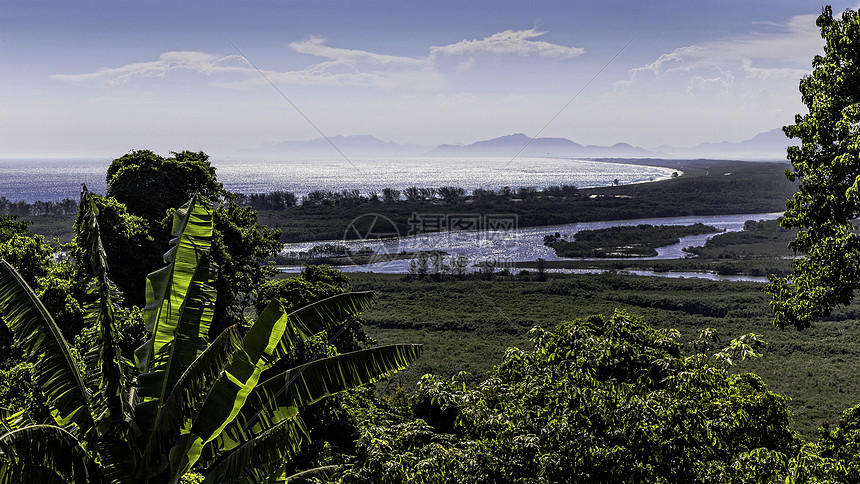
[467, 325]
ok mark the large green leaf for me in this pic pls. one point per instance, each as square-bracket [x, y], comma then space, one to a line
[45, 453]
[38, 335]
[105, 367]
[271, 337]
[261, 457]
[317, 317]
[167, 290]
[278, 397]
[308, 383]
[228, 394]
[176, 411]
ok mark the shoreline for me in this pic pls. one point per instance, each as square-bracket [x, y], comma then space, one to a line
[20, 179]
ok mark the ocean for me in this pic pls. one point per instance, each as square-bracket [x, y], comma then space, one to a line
[56, 179]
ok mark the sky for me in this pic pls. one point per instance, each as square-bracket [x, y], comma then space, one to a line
[98, 79]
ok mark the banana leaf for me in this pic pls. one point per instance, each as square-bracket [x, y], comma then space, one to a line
[39, 337]
[105, 367]
[12, 420]
[168, 288]
[42, 453]
[175, 413]
[278, 397]
[317, 317]
[261, 457]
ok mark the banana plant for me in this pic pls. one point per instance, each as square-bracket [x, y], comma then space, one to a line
[184, 404]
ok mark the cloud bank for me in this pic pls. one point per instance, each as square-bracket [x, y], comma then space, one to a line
[341, 67]
[784, 54]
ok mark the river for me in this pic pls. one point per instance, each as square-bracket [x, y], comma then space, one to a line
[502, 247]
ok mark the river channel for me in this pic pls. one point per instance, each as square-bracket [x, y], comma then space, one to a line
[515, 244]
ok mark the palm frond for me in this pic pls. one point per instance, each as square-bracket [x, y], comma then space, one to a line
[38, 335]
[35, 452]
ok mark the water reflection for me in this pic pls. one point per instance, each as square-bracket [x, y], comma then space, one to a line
[526, 244]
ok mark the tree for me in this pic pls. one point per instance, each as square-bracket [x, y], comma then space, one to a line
[390, 195]
[220, 409]
[149, 185]
[451, 194]
[827, 167]
[132, 244]
[598, 400]
[56, 283]
[142, 190]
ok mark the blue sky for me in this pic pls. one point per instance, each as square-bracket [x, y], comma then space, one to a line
[101, 78]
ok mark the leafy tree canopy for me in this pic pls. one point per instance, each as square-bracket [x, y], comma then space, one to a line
[598, 400]
[56, 283]
[143, 188]
[148, 184]
[10, 225]
[827, 167]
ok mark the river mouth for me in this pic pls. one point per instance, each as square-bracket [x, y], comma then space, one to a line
[502, 248]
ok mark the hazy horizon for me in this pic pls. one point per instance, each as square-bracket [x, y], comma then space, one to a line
[94, 79]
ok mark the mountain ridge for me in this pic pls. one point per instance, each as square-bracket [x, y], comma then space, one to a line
[769, 145]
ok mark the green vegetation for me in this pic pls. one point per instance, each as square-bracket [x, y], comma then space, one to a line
[142, 191]
[707, 188]
[826, 167]
[228, 410]
[466, 325]
[603, 399]
[598, 399]
[761, 249]
[617, 242]
[50, 219]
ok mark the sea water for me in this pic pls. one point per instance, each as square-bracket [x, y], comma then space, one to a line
[56, 179]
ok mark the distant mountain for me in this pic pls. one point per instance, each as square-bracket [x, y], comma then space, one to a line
[764, 146]
[510, 145]
[769, 145]
[354, 146]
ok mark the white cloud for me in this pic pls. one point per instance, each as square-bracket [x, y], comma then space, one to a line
[721, 85]
[341, 67]
[771, 73]
[516, 42]
[787, 53]
[316, 46]
[201, 62]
